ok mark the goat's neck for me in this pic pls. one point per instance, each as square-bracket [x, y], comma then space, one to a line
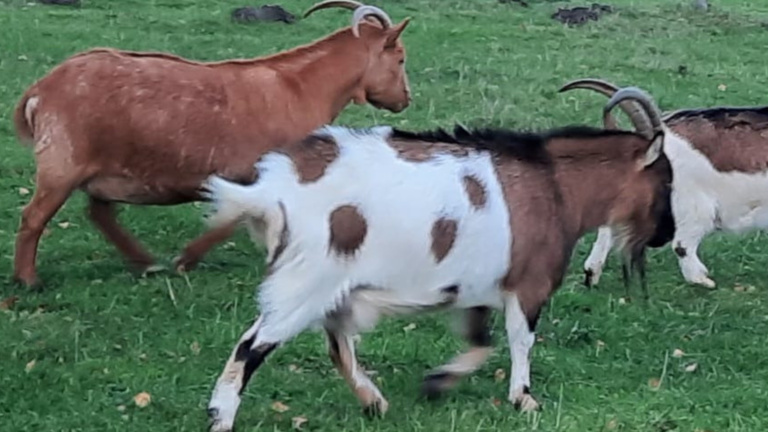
[328, 72]
[587, 202]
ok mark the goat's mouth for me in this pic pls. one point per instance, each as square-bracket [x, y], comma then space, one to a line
[392, 107]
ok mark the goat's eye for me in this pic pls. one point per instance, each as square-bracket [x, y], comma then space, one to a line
[402, 61]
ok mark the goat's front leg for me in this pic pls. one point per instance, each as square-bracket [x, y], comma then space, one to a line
[341, 348]
[694, 219]
[478, 335]
[247, 356]
[593, 266]
[520, 332]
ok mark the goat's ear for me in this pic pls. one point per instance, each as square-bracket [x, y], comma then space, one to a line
[655, 149]
[393, 33]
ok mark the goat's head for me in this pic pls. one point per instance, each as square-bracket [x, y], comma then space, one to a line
[385, 82]
[644, 206]
[646, 118]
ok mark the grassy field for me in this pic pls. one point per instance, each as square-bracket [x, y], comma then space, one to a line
[73, 357]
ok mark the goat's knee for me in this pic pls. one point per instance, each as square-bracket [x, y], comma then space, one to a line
[593, 266]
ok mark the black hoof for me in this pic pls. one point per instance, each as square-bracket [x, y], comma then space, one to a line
[588, 277]
[373, 411]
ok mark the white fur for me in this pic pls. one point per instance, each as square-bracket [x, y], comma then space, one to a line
[400, 201]
[703, 199]
[521, 340]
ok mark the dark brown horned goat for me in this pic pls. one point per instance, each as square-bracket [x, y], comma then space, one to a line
[474, 220]
[147, 128]
[720, 158]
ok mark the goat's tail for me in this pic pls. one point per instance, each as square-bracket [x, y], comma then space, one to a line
[24, 117]
[231, 202]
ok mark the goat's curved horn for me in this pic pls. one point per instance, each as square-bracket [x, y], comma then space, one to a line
[632, 109]
[345, 4]
[646, 102]
[369, 11]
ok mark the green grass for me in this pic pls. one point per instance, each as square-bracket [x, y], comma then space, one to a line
[99, 335]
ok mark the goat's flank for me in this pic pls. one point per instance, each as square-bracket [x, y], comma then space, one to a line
[147, 128]
[400, 222]
[720, 159]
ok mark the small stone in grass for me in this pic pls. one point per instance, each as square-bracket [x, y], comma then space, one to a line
[142, 399]
[298, 421]
[677, 353]
[280, 407]
[691, 367]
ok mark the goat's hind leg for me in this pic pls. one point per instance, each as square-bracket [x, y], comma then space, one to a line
[478, 335]
[195, 250]
[341, 349]
[50, 194]
[102, 214]
[247, 356]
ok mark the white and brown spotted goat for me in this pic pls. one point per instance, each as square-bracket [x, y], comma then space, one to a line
[147, 128]
[720, 159]
[364, 223]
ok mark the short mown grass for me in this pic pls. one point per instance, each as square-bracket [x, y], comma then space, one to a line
[73, 356]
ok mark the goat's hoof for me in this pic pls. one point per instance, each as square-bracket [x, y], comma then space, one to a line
[524, 402]
[152, 269]
[376, 409]
[183, 264]
[436, 384]
[216, 424]
[591, 277]
[707, 283]
[31, 283]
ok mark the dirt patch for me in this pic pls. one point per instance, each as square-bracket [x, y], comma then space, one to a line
[580, 15]
[266, 13]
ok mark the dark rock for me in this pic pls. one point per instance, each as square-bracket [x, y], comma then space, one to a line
[249, 14]
[61, 2]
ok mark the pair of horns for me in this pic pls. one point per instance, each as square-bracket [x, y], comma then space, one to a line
[635, 102]
[361, 12]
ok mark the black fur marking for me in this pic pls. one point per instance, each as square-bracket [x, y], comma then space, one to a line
[533, 319]
[662, 205]
[715, 113]
[680, 251]
[253, 358]
[451, 289]
[435, 384]
[526, 390]
[478, 329]
[526, 146]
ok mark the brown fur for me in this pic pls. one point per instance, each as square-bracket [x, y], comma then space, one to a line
[475, 191]
[558, 186]
[148, 128]
[348, 229]
[312, 156]
[732, 142]
[592, 182]
[424, 151]
[443, 237]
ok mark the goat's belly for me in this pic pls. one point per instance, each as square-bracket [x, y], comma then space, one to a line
[132, 191]
[742, 202]
[745, 217]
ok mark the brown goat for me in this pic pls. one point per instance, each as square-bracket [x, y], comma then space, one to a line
[474, 220]
[147, 128]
